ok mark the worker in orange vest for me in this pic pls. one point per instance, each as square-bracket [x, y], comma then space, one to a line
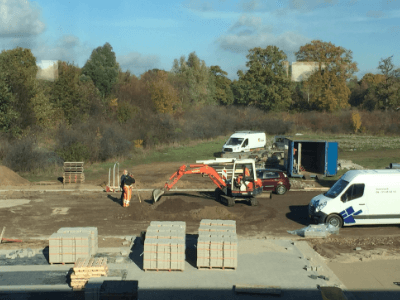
[128, 185]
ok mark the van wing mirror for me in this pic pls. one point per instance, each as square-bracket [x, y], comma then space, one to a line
[344, 198]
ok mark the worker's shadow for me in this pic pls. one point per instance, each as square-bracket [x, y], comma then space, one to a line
[115, 199]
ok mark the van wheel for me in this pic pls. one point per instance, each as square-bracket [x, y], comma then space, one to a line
[281, 189]
[334, 220]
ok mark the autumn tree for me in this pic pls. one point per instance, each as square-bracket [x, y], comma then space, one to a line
[18, 73]
[196, 76]
[164, 96]
[223, 92]
[102, 68]
[265, 84]
[360, 89]
[327, 85]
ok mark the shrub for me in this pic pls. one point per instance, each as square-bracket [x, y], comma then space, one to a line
[113, 143]
[74, 152]
[22, 156]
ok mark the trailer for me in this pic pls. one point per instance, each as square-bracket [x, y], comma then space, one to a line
[305, 158]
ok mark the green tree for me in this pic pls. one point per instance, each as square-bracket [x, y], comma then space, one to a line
[327, 85]
[18, 71]
[223, 92]
[265, 84]
[388, 90]
[8, 116]
[73, 93]
[103, 69]
[196, 76]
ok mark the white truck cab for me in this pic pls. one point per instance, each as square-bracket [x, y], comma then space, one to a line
[360, 197]
[245, 141]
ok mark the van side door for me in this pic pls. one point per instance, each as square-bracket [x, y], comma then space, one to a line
[355, 204]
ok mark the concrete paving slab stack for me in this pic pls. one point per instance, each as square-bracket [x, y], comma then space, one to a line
[71, 243]
[217, 244]
[164, 246]
[93, 233]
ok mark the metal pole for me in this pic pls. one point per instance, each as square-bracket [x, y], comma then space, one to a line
[109, 176]
[118, 175]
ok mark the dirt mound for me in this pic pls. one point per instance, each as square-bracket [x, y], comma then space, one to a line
[9, 177]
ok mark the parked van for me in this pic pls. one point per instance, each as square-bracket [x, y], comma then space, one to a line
[360, 197]
[245, 141]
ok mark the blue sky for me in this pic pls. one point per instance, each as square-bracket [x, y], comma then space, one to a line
[151, 34]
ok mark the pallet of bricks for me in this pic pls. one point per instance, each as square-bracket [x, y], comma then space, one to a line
[73, 172]
[217, 245]
[164, 246]
[71, 243]
[86, 268]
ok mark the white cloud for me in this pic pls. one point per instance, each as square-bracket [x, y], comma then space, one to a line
[249, 32]
[137, 63]
[247, 21]
[250, 5]
[68, 48]
[19, 18]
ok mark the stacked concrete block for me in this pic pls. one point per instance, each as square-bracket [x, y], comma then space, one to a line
[164, 246]
[70, 244]
[217, 244]
[93, 235]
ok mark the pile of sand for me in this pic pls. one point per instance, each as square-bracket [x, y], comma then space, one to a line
[9, 177]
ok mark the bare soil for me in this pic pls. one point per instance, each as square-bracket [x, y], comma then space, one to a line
[32, 215]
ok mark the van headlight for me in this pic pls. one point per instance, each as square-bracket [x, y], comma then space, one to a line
[320, 206]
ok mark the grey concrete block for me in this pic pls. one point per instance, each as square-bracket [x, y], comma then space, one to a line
[124, 253]
[358, 248]
[126, 243]
[119, 259]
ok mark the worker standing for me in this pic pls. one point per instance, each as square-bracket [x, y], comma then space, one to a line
[124, 175]
[128, 185]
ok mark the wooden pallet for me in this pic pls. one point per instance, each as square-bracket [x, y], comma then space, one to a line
[216, 268]
[87, 275]
[163, 270]
[91, 265]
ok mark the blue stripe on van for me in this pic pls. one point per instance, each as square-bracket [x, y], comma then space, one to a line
[348, 214]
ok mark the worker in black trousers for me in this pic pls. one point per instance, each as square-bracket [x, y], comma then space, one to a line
[123, 177]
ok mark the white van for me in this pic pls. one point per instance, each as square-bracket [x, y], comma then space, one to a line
[245, 141]
[360, 197]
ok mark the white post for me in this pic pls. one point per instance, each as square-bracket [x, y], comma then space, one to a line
[299, 158]
[109, 176]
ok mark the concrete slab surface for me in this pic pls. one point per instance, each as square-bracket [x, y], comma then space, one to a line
[267, 262]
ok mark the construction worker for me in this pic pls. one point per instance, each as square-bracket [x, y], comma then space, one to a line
[128, 185]
[124, 175]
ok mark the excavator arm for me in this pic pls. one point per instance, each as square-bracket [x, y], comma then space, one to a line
[191, 169]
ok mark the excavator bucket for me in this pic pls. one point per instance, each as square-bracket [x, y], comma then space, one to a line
[157, 193]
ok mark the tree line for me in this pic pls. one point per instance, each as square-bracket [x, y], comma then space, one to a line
[101, 91]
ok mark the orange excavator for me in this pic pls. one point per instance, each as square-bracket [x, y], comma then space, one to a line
[240, 184]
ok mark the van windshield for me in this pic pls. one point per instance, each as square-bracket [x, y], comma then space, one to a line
[234, 142]
[337, 188]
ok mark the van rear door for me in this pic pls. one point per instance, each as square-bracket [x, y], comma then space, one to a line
[355, 202]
